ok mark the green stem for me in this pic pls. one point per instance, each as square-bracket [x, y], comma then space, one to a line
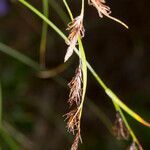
[54, 4]
[68, 9]
[52, 25]
[100, 114]
[44, 34]
[128, 127]
[22, 58]
[84, 70]
[10, 141]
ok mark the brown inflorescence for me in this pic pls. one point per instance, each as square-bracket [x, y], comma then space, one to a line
[104, 10]
[75, 88]
[76, 141]
[76, 30]
[74, 116]
[120, 130]
[101, 7]
[135, 146]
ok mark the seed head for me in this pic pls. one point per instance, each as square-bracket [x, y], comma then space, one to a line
[76, 141]
[120, 130]
[135, 146]
[76, 88]
[74, 116]
[76, 30]
[104, 10]
[73, 126]
[101, 7]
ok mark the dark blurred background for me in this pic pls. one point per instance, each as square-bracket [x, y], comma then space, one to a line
[33, 107]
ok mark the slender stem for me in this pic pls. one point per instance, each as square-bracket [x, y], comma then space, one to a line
[13, 145]
[83, 59]
[84, 71]
[18, 136]
[128, 127]
[59, 10]
[82, 9]
[53, 26]
[44, 34]
[100, 114]
[68, 9]
[15, 54]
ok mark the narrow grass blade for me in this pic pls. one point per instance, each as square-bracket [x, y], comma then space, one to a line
[17, 55]
[58, 9]
[7, 138]
[44, 34]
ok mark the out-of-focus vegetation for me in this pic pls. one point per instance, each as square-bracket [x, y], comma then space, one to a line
[32, 108]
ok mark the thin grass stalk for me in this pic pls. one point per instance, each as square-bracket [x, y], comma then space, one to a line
[18, 136]
[100, 114]
[44, 34]
[22, 58]
[84, 66]
[9, 140]
[59, 10]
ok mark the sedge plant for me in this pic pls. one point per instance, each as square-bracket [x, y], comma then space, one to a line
[79, 82]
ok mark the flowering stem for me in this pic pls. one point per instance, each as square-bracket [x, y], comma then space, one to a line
[44, 34]
[82, 55]
[118, 103]
[62, 35]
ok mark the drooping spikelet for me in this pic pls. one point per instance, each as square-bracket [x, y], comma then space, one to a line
[135, 146]
[76, 30]
[104, 10]
[74, 116]
[120, 130]
[101, 7]
[75, 88]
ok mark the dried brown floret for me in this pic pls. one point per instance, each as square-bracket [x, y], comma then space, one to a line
[104, 10]
[120, 130]
[73, 125]
[76, 30]
[76, 141]
[76, 88]
[73, 120]
[135, 146]
[101, 7]
[74, 116]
